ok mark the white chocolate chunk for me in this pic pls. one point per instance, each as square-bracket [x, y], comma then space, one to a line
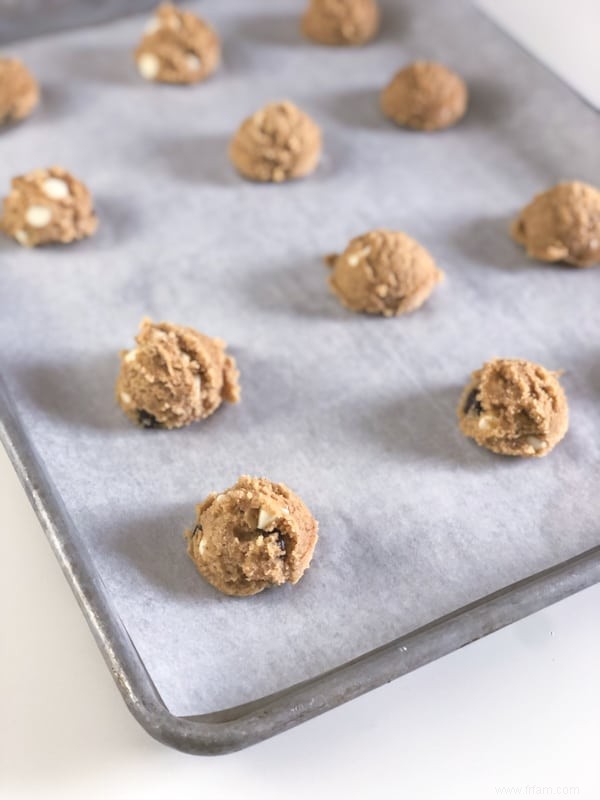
[131, 355]
[22, 238]
[125, 398]
[38, 216]
[201, 547]
[193, 62]
[197, 388]
[487, 421]
[148, 66]
[537, 444]
[55, 188]
[265, 519]
[354, 259]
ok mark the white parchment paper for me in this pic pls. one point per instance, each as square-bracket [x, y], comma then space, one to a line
[355, 414]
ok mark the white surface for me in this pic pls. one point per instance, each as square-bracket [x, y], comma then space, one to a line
[563, 34]
[516, 714]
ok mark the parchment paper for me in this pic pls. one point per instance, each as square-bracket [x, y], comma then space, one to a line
[355, 414]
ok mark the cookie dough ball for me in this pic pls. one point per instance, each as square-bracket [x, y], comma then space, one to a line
[514, 407]
[48, 206]
[425, 96]
[177, 47]
[174, 376]
[383, 272]
[19, 91]
[277, 143]
[341, 22]
[562, 224]
[255, 535]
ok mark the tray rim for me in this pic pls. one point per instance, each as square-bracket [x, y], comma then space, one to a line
[235, 728]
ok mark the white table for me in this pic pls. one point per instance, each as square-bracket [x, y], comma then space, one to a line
[515, 714]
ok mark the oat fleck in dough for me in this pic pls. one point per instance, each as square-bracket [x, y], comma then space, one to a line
[514, 407]
[341, 22]
[383, 272]
[277, 143]
[48, 206]
[255, 535]
[19, 91]
[175, 376]
[177, 47]
[562, 224]
[426, 96]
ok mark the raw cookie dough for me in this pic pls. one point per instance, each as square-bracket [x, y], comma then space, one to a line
[277, 143]
[562, 224]
[341, 22]
[514, 407]
[19, 91]
[254, 535]
[383, 272]
[426, 96]
[48, 206]
[174, 376]
[177, 47]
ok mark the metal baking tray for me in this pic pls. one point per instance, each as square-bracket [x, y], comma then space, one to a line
[427, 542]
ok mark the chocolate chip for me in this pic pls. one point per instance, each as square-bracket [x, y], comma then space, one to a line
[472, 404]
[280, 541]
[147, 420]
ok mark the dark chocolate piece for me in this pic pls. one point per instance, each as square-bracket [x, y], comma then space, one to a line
[147, 420]
[472, 404]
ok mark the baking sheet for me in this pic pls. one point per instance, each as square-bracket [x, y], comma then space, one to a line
[355, 414]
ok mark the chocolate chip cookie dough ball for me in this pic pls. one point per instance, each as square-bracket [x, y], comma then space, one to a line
[48, 206]
[426, 96]
[255, 535]
[383, 272]
[19, 91]
[341, 22]
[177, 47]
[562, 224]
[277, 143]
[174, 376]
[514, 407]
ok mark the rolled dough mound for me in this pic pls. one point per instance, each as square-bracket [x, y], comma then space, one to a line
[426, 96]
[341, 22]
[174, 376]
[177, 47]
[277, 143]
[19, 91]
[514, 407]
[48, 206]
[562, 224]
[255, 535]
[383, 272]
